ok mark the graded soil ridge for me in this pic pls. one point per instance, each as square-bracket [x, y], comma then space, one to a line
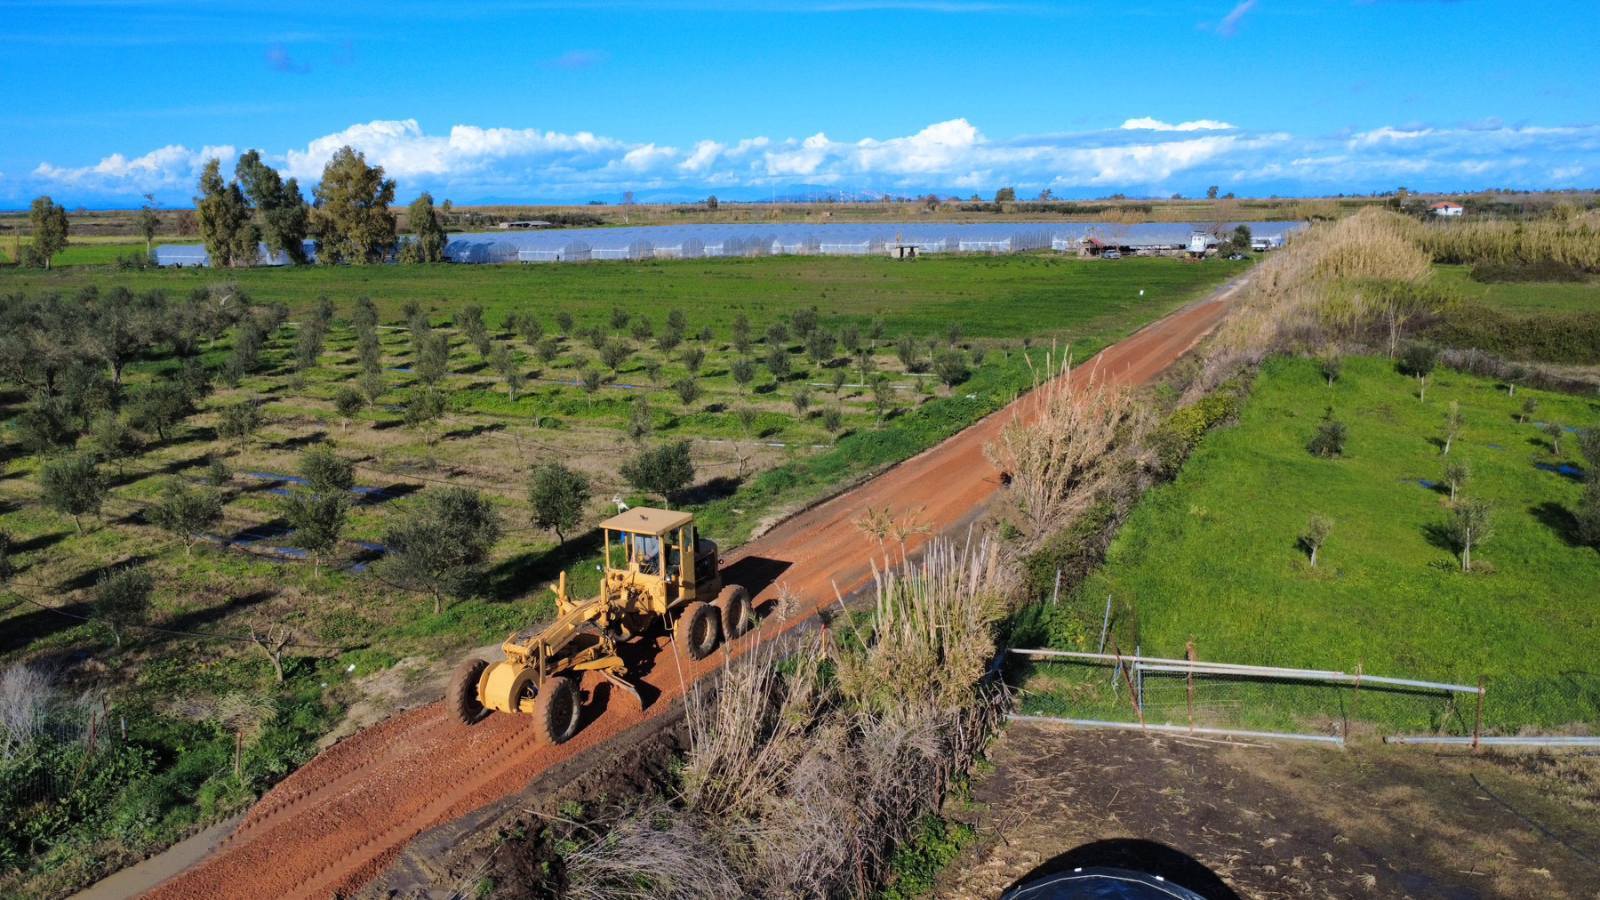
[343, 817]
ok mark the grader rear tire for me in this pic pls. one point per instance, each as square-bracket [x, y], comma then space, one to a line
[557, 709]
[462, 697]
[733, 607]
[697, 630]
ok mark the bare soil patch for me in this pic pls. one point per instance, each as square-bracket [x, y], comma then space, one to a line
[1260, 820]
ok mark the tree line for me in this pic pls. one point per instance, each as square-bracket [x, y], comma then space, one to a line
[259, 214]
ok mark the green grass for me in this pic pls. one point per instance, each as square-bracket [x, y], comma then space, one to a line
[916, 864]
[990, 297]
[1213, 556]
[1522, 297]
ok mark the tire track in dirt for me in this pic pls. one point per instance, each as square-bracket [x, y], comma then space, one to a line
[343, 817]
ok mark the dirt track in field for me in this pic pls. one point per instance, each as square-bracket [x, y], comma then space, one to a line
[343, 817]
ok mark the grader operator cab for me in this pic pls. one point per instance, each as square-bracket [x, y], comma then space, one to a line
[657, 569]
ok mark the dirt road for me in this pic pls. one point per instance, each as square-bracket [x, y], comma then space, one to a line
[341, 818]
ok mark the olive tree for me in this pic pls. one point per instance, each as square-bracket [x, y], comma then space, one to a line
[1315, 535]
[348, 402]
[663, 471]
[1554, 431]
[558, 496]
[1456, 474]
[438, 544]
[185, 513]
[122, 598]
[73, 486]
[1470, 524]
[316, 511]
[1453, 423]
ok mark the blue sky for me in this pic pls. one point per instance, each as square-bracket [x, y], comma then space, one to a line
[572, 100]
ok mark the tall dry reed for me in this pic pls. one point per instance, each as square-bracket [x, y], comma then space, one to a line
[1059, 453]
[1332, 283]
[805, 771]
[1567, 237]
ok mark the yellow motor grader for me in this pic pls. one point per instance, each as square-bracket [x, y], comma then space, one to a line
[657, 569]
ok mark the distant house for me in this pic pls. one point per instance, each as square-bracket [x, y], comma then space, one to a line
[1446, 208]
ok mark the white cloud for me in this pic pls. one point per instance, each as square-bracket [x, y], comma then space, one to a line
[1229, 26]
[405, 151]
[1142, 155]
[163, 168]
[1148, 124]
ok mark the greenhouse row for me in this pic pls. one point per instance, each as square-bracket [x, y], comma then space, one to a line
[790, 239]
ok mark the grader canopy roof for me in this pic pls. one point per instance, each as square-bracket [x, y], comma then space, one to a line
[645, 520]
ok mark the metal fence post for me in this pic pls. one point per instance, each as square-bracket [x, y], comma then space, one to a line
[1189, 652]
[1477, 721]
[1132, 695]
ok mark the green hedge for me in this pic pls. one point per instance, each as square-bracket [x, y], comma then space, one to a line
[1570, 338]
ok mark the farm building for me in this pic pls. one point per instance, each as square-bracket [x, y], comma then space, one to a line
[1447, 209]
[186, 256]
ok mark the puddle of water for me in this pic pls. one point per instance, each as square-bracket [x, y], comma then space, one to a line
[1567, 469]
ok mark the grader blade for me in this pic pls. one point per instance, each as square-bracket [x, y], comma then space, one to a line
[622, 683]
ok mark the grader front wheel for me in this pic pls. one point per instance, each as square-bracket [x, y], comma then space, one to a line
[697, 629]
[463, 697]
[557, 709]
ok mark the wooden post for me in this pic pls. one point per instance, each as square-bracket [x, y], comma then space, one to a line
[1477, 721]
[1188, 650]
[1056, 594]
[1132, 697]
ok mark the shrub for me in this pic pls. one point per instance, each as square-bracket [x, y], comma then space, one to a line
[778, 362]
[1537, 270]
[217, 473]
[951, 367]
[121, 598]
[1177, 437]
[439, 544]
[72, 486]
[832, 419]
[1587, 514]
[186, 513]
[1418, 360]
[1470, 524]
[558, 496]
[1554, 431]
[1073, 551]
[1564, 338]
[238, 421]
[1315, 535]
[743, 372]
[663, 471]
[1456, 474]
[423, 409]
[687, 389]
[1329, 440]
[349, 402]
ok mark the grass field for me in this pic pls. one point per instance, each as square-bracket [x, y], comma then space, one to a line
[1214, 556]
[1035, 296]
[1524, 297]
[351, 624]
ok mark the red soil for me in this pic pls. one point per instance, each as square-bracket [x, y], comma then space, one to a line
[343, 817]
